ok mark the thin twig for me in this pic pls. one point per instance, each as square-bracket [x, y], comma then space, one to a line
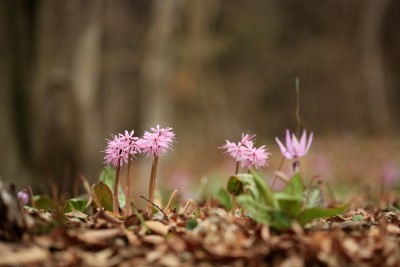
[187, 205]
[155, 205]
[171, 199]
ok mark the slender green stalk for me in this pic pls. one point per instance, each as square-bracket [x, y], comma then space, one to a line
[116, 184]
[128, 188]
[152, 184]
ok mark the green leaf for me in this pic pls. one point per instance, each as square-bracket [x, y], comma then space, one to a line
[75, 204]
[295, 187]
[357, 218]
[224, 198]
[107, 176]
[289, 204]
[103, 196]
[280, 221]
[234, 186]
[309, 215]
[258, 211]
[264, 189]
[314, 198]
[191, 224]
[44, 202]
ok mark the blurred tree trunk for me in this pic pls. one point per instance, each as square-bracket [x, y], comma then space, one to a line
[16, 59]
[63, 103]
[157, 96]
[373, 64]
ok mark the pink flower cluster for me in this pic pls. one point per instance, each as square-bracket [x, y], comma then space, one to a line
[246, 154]
[122, 146]
[157, 142]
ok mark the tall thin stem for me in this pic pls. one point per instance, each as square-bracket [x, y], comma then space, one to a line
[237, 167]
[116, 184]
[128, 188]
[298, 118]
[152, 184]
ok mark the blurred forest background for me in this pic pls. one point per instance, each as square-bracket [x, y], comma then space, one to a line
[73, 72]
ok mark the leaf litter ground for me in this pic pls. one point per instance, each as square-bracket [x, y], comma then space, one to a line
[366, 235]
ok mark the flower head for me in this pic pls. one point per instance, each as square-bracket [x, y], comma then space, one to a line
[23, 197]
[120, 147]
[132, 145]
[238, 151]
[246, 154]
[157, 142]
[295, 148]
[255, 157]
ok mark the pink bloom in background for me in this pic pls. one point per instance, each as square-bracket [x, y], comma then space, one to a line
[23, 197]
[257, 157]
[390, 174]
[157, 142]
[295, 149]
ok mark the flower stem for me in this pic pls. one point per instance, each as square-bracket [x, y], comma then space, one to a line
[31, 196]
[237, 168]
[152, 182]
[116, 184]
[128, 188]
[279, 168]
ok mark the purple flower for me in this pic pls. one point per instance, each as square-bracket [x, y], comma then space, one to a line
[157, 142]
[257, 157]
[238, 151]
[23, 197]
[295, 149]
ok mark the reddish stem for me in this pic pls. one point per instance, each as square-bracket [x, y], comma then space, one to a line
[152, 184]
[128, 188]
[116, 184]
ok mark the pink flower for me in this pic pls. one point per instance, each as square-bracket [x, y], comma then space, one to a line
[132, 145]
[238, 151]
[23, 197]
[257, 157]
[245, 154]
[120, 147]
[295, 149]
[157, 142]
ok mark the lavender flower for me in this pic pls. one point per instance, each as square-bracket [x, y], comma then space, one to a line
[295, 149]
[157, 142]
[23, 197]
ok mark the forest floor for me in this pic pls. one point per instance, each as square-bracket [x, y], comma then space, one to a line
[368, 234]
